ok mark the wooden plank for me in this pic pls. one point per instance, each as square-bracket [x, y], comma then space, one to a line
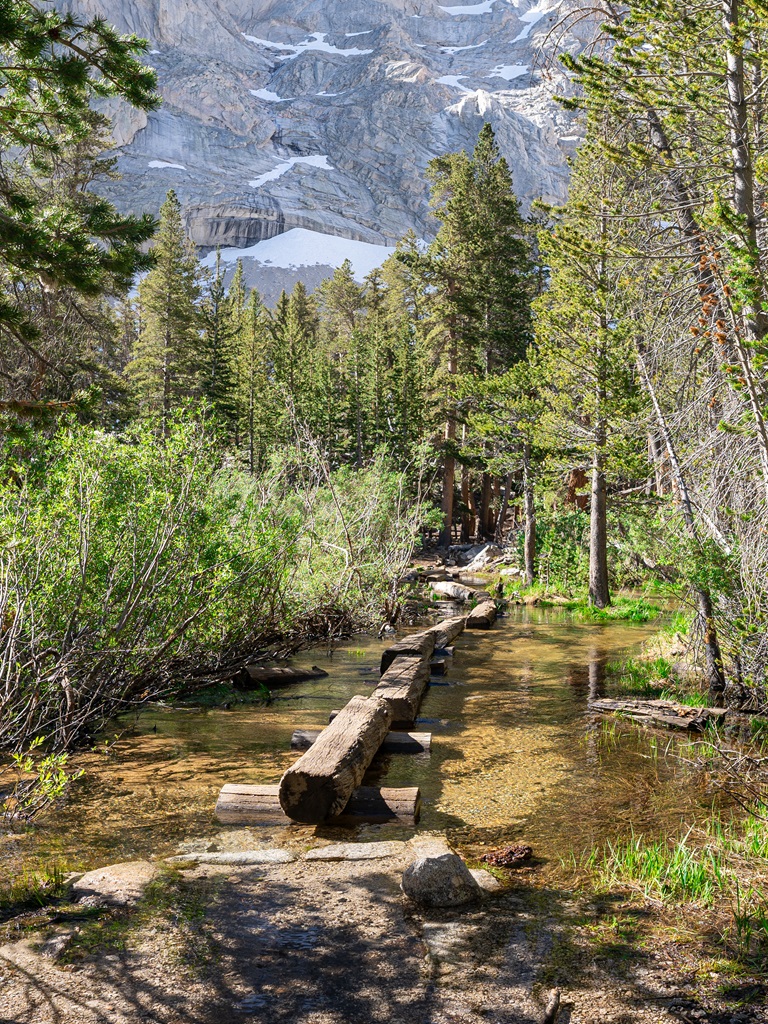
[483, 616]
[437, 667]
[253, 676]
[395, 742]
[403, 685]
[240, 803]
[418, 645]
[321, 782]
[664, 713]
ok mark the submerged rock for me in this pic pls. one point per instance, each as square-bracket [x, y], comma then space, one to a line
[441, 881]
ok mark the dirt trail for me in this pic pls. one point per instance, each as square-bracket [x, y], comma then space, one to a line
[338, 943]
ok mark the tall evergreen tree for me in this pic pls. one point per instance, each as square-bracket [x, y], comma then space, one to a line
[479, 275]
[166, 365]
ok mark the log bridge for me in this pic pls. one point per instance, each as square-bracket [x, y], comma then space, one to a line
[325, 784]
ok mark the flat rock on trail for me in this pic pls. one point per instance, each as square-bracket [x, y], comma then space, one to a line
[320, 942]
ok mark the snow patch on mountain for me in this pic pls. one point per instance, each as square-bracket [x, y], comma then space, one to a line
[315, 42]
[302, 248]
[269, 97]
[166, 163]
[484, 8]
[320, 161]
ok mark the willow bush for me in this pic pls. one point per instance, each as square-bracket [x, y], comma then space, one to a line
[132, 564]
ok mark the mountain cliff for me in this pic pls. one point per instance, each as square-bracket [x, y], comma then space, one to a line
[317, 118]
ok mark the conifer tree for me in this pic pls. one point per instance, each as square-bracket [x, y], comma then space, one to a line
[220, 319]
[166, 366]
[584, 330]
[479, 275]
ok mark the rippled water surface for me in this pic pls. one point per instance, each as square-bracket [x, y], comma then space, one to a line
[514, 754]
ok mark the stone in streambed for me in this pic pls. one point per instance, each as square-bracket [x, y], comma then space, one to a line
[440, 881]
[117, 884]
[234, 857]
[356, 851]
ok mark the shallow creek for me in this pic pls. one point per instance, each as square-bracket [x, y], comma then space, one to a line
[514, 755]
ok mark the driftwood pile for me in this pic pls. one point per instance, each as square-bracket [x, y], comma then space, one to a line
[324, 784]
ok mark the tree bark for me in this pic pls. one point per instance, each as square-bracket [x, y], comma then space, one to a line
[529, 544]
[501, 520]
[599, 592]
[449, 469]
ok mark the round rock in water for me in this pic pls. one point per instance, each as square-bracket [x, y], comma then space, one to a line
[443, 881]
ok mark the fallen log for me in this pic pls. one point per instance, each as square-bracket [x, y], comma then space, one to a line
[246, 804]
[321, 782]
[453, 591]
[402, 686]
[667, 714]
[253, 676]
[417, 645]
[445, 632]
[395, 742]
[483, 616]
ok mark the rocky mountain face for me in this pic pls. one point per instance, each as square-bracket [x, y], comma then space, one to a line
[310, 118]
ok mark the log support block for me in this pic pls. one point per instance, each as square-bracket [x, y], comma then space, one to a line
[321, 782]
[240, 804]
[395, 742]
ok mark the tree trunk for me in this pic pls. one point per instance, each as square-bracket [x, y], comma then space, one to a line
[449, 470]
[599, 592]
[712, 654]
[502, 517]
[529, 546]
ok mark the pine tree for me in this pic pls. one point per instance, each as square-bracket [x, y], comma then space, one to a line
[166, 365]
[584, 330]
[52, 65]
[220, 319]
[479, 276]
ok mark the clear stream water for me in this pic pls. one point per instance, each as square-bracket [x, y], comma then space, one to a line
[514, 755]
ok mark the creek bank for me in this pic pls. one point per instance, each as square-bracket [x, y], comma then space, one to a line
[272, 943]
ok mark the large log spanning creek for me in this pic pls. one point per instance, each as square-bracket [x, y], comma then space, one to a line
[512, 752]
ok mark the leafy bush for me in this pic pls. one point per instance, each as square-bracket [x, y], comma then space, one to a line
[130, 564]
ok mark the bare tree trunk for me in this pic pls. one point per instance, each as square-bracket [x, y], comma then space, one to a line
[449, 466]
[485, 505]
[502, 518]
[715, 674]
[599, 591]
[529, 544]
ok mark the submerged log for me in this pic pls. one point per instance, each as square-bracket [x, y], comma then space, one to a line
[665, 713]
[245, 804]
[419, 645]
[321, 782]
[402, 686]
[483, 616]
[445, 632]
[253, 676]
[395, 742]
